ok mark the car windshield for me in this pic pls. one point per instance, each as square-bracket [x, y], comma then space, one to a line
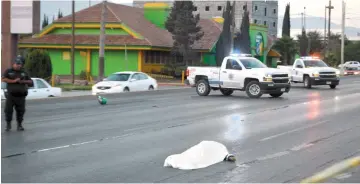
[3, 85]
[118, 77]
[252, 63]
[314, 63]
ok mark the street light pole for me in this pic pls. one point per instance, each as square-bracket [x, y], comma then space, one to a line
[102, 42]
[73, 43]
[342, 36]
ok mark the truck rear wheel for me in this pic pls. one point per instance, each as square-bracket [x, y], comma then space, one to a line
[203, 88]
[226, 92]
[307, 83]
[276, 95]
[253, 89]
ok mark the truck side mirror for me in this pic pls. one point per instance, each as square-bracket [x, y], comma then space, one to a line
[299, 66]
[237, 67]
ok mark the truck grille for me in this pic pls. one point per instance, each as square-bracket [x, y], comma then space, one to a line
[103, 87]
[279, 75]
[327, 75]
[281, 80]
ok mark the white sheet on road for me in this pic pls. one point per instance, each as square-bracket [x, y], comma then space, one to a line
[202, 155]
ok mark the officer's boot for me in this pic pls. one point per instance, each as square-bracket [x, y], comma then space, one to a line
[20, 127]
[8, 126]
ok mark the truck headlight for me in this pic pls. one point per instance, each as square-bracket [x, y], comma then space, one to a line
[268, 78]
[315, 74]
[338, 73]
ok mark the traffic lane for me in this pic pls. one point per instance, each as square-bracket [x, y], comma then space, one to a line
[144, 151]
[51, 126]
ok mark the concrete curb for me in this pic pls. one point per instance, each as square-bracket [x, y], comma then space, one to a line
[172, 84]
[334, 170]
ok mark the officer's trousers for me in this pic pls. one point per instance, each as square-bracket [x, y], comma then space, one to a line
[19, 104]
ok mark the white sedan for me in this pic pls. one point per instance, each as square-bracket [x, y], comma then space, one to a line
[352, 65]
[41, 89]
[125, 82]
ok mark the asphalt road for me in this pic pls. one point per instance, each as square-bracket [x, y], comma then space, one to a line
[275, 140]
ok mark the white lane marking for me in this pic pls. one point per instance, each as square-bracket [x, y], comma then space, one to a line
[300, 147]
[343, 176]
[292, 131]
[275, 155]
[87, 142]
[48, 149]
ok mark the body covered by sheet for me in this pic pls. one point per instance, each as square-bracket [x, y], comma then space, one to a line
[202, 155]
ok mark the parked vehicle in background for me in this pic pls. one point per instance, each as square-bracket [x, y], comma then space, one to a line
[313, 71]
[350, 65]
[125, 82]
[41, 89]
[239, 72]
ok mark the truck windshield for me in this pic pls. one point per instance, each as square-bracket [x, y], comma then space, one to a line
[250, 63]
[314, 63]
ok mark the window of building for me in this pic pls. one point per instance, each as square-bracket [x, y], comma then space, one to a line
[274, 11]
[274, 24]
[255, 21]
[195, 8]
[160, 57]
[219, 8]
[207, 8]
[265, 23]
[256, 8]
[244, 7]
[265, 11]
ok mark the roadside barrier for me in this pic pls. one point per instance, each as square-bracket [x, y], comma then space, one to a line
[333, 170]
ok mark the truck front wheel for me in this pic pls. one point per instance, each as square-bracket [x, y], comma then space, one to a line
[253, 89]
[332, 86]
[307, 83]
[226, 92]
[203, 88]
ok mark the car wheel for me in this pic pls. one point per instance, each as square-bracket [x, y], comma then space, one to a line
[276, 95]
[226, 92]
[126, 89]
[332, 86]
[151, 88]
[307, 83]
[203, 88]
[253, 89]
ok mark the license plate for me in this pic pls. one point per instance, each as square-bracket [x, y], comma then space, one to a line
[283, 89]
[328, 82]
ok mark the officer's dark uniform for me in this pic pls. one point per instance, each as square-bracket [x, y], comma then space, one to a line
[16, 94]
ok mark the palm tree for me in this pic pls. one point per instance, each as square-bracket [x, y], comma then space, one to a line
[287, 48]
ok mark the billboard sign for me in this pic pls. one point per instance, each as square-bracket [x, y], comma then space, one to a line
[21, 17]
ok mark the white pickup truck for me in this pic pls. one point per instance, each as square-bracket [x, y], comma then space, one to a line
[313, 71]
[239, 72]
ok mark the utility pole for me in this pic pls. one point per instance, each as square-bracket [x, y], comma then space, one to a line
[302, 20]
[126, 59]
[305, 18]
[102, 42]
[325, 26]
[73, 43]
[329, 23]
[342, 35]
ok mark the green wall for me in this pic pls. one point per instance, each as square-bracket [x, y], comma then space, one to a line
[114, 61]
[209, 58]
[62, 66]
[93, 31]
[258, 40]
[157, 16]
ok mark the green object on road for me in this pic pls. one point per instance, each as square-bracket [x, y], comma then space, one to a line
[102, 100]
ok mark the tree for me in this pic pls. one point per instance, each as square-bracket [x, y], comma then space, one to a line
[223, 45]
[243, 38]
[45, 21]
[60, 15]
[303, 43]
[286, 22]
[352, 51]
[316, 45]
[38, 64]
[287, 48]
[183, 26]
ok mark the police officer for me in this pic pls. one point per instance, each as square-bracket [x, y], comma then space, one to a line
[17, 89]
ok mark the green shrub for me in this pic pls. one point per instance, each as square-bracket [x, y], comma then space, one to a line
[38, 64]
